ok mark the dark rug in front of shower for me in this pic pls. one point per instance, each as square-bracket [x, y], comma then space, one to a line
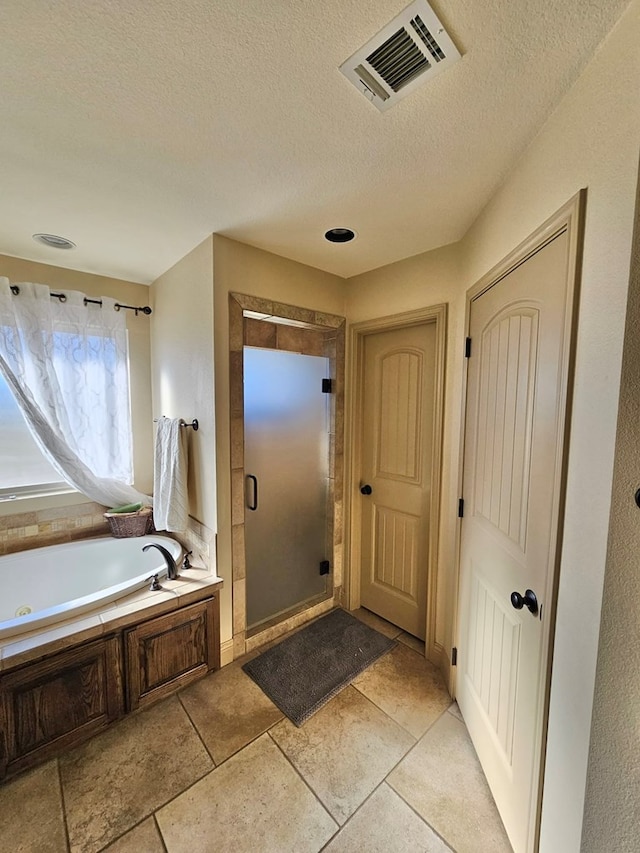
[304, 671]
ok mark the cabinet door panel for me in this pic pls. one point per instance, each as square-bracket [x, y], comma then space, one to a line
[171, 651]
[60, 701]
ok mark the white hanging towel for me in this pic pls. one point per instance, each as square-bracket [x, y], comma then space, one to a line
[170, 497]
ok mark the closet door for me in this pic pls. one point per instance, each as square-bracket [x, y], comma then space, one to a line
[286, 480]
[397, 451]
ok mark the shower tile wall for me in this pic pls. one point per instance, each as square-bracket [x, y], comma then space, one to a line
[327, 340]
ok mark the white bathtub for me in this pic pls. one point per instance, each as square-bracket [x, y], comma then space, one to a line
[46, 585]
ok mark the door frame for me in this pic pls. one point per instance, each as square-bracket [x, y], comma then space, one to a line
[358, 332]
[569, 217]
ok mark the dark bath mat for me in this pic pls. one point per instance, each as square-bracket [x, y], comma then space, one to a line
[304, 671]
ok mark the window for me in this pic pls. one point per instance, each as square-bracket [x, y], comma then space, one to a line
[66, 359]
[24, 468]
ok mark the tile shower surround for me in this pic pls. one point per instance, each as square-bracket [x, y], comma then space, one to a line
[325, 338]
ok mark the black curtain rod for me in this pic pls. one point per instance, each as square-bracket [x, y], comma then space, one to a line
[63, 298]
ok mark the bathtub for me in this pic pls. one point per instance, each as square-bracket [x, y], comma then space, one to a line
[47, 585]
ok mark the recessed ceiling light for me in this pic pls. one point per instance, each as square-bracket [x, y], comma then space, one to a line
[53, 241]
[339, 235]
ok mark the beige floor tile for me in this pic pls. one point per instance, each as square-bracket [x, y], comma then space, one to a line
[344, 751]
[407, 687]
[229, 710]
[31, 813]
[118, 778]
[253, 803]
[376, 622]
[442, 780]
[386, 824]
[455, 710]
[145, 838]
[413, 642]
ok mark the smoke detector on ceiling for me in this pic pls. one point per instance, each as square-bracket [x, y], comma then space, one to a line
[405, 54]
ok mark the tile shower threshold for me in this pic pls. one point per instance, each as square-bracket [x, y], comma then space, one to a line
[264, 626]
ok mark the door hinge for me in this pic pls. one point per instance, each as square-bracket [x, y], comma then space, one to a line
[324, 567]
[454, 656]
[467, 348]
[326, 386]
[460, 507]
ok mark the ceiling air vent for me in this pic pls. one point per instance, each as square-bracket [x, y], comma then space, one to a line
[404, 55]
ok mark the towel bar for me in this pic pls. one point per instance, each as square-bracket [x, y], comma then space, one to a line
[194, 423]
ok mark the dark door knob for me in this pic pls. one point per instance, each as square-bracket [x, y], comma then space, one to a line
[366, 490]
[527, 600]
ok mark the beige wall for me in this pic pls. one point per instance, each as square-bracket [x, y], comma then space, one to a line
[130, 293]
[612, 810]
[244, 269]
[182, 354]
[591, 140]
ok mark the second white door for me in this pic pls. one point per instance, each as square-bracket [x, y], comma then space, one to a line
[397, 448]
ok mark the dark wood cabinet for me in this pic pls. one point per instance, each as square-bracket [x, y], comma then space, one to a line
[59, 701]
[171, 651]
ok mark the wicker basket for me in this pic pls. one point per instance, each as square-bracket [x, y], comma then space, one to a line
[125, 524]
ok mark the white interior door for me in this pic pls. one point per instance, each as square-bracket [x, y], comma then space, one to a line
[397, 445]
[513, 451]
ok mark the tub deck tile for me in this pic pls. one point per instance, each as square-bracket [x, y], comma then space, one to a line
[192, 586]
[147, 606]
[24, 648]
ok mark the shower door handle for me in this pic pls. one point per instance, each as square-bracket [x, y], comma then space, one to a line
[254, 504]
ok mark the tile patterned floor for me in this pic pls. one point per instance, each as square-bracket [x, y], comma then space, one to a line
[386, 766]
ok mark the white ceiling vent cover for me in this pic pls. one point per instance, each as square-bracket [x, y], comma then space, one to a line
[405, 54]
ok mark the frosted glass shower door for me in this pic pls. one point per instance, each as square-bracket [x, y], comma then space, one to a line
[286, 433]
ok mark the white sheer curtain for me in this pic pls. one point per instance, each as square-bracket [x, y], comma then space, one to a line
[67, 366]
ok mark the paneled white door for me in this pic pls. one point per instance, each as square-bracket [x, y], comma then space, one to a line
[397, 444]
[516, 395]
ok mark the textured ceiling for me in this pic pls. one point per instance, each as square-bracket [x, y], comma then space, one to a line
[138, 127]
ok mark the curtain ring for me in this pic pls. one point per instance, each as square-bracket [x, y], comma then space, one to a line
[116, 307]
